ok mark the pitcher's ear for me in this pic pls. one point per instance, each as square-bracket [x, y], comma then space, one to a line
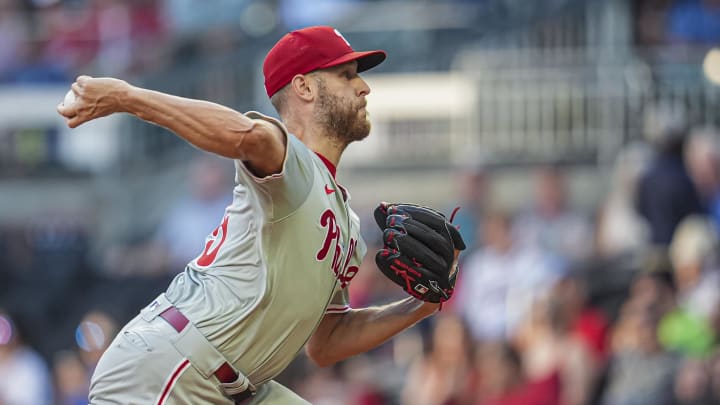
[302, 86]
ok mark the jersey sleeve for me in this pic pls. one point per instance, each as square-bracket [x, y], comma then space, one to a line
[340, 302]
[281, 193]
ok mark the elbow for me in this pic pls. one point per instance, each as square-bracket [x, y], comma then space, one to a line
[244, 145]
[321, 356]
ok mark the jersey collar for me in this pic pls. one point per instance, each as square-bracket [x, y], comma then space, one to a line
[331, 167]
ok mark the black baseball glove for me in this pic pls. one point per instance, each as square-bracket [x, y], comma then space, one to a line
[420, 250]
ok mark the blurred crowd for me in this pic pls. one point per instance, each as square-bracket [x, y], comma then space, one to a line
[51, 41]
[617, 303]
[677, 22]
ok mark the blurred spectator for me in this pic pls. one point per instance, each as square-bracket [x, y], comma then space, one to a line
[442, 376]
[692, 385]
[356, 381]
[114, 36]
[702, 157]
[152, 45]
[93, 335]
[693, 255]
[71, 379]
[549, 346]
[71, 34]
[325, 386]
[654, 286]
[641, 371]
[690, 328]
[473, 189]
[14, 32]
[35, 68]
[500, 281]
[695, 21]
[714, 377]
[24, 376]
[73, 369]
[651, 18]
[372, 379]
[666, 194]
[588, 324]
[503, 381]
[678, 329]
[550, 224]
[620, 230]
[191, 219]
[130, 36]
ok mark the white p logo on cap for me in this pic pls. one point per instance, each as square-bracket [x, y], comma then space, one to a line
[341, 36]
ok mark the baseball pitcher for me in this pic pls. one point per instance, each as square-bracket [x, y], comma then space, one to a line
[272, 277]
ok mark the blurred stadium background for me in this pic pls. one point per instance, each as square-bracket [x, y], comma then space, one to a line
[580, 138]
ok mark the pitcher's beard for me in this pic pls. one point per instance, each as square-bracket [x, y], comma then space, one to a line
[341, 118]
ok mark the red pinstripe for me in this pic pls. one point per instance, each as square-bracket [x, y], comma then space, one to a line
[171, 382]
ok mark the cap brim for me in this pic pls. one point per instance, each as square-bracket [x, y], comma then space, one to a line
[366, 60]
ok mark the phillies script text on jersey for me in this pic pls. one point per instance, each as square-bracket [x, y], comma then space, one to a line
[212, 246]
[345, 273]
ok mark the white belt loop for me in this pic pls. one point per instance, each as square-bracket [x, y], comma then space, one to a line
[159, 305]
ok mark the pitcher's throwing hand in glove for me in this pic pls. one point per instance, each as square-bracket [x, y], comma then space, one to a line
[420, 250]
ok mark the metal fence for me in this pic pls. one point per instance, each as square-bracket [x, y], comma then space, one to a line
[532, 108]
[523, 108]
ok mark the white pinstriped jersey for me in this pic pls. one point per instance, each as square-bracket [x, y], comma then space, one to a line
[281, 258]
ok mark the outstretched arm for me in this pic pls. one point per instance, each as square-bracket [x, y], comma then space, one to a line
[207, 126]
[340, 336]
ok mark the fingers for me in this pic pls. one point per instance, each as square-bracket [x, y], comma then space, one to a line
[454, 267]
[380, 214]
[75, 122]
[386, 254]
[70, 111]
[414, 249]
[422, 233]
[67, 111]
[71, 118]
[395, 221]
[79, 84]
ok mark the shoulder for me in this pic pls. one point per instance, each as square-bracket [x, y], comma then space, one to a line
[264, 145]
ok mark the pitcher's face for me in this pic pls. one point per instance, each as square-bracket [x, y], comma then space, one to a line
[340, 105]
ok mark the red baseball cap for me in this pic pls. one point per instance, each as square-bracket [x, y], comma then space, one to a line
[308, 49]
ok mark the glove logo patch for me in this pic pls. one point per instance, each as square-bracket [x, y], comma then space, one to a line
[421, 289]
